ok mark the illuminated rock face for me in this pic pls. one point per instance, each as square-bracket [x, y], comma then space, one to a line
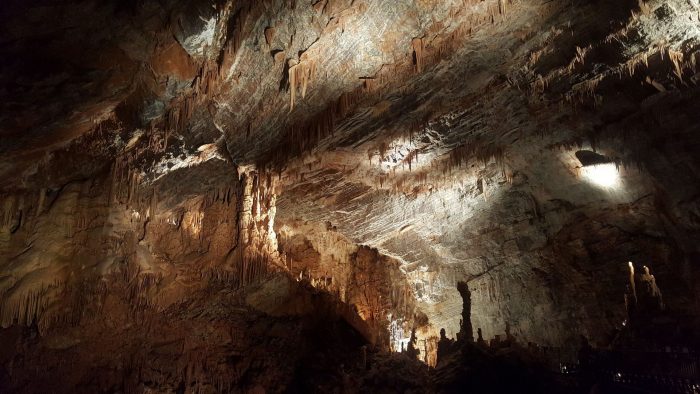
[222, 185]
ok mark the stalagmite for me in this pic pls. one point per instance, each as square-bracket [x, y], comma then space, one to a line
[651, 289]
[632, 285]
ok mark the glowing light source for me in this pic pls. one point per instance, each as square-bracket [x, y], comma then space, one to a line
[604, 175]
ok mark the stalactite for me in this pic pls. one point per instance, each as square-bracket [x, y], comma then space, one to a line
[319, 6]
[369, 84]
[583, 89]
[643, 7]
[24, 307]
[410, 158]
[42, 200]
[417, 44]
[474, 150]
[8, 212]
[502, 6]
[292, 85]
[269, 35]
[305, 135]
[300, 74]
[676, 58]
[153, 204]
[579, 58]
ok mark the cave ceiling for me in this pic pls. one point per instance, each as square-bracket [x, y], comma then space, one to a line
[381, 80]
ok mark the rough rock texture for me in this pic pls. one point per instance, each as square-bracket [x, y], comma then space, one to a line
[200, 176]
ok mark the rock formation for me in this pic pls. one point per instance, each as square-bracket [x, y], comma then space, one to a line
[342, 195]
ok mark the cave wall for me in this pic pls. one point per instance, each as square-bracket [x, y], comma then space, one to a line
[542, 246]
[77, 238]
[370, 283]
[137, 292]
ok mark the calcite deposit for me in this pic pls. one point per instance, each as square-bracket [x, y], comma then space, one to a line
[349, 196]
